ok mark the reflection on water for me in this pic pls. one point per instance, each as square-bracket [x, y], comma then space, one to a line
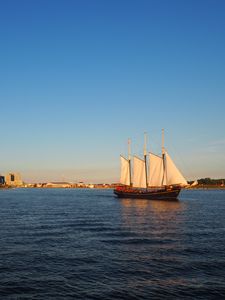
[154, 214]
[156, 205]
[167, 206]
[155, 230]
[159, 207]
[139, 203]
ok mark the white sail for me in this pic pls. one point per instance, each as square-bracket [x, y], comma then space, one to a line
[194, 183]
[124, 171]
[155, 170]
[139, 174]
[173, 175]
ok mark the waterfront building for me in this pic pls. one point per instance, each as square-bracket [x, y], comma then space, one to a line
[13, 179]
[2, 180]
[58, 185]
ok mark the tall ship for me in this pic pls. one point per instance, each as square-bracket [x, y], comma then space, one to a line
[151, 177]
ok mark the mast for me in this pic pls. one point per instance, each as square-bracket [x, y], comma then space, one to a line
[163, 157]
[129, 158]
[145, 158]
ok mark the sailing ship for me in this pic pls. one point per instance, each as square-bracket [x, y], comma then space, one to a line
[151, 177]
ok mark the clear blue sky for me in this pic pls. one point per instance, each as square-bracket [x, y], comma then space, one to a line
[77, 78]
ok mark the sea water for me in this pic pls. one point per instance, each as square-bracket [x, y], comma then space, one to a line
[87, 244]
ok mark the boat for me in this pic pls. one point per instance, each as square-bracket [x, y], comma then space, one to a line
[152, 177]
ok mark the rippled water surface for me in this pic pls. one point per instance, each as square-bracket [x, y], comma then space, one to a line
[87, 244]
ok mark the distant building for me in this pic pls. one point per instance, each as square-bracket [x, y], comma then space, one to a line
[91, 186]
[13, 179]
[58, 184]
[2, 180]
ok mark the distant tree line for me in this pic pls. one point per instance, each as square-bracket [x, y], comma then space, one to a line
[209, 181]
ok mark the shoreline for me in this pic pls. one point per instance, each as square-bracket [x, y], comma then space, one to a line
[106, 187]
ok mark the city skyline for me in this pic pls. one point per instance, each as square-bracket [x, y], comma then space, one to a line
[81, 77]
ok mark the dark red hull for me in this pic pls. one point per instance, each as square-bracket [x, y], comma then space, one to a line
[164, 194]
